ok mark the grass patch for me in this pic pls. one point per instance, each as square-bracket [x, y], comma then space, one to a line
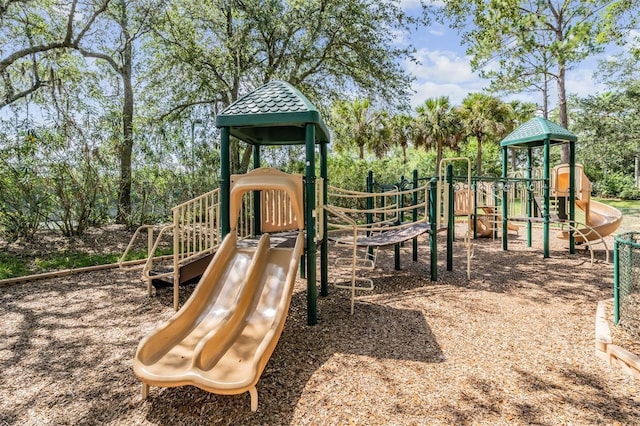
[631, 206]
[12, 265]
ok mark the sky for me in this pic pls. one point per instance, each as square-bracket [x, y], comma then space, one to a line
[445, 69]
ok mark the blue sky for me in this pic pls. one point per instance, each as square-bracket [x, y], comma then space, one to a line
[445, 70]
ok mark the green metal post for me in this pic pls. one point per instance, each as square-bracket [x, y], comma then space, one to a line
[399, 220]
[433, 231]
[324, 247]
[505, 234]
[414, 218]
[257, 206]
[369, 215]
[572, 195]
[451, 219]
[474, 216]
[310, 172]
[545, 195]
[225, 182]
[530, 195]
[616, 282]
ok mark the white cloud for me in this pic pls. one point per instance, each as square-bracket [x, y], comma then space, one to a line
[441, 66]
[580, 81]
[443, 73]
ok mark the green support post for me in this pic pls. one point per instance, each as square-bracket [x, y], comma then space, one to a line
[572, 195]
[257, 220]
[414, 218]
[399, 220]
[529, 195]
[433, 228]
[369, 215]
[474, 218]
[310, 182]
[505, 234]
[225, 183]
[324, 248]
[545, 194]
[616, 282]
[451, 217]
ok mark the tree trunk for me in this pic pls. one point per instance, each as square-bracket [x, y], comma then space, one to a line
[479, 156]
[126, 148]
[562, 107]
[438, 155]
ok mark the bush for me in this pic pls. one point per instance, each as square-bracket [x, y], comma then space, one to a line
[24, 197]
[617, 185]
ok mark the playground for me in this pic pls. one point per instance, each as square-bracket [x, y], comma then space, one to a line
[512, 345]
[401, 337]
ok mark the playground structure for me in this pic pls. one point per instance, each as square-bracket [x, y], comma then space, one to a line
[540, 132]
[239, 238]
[225, 333]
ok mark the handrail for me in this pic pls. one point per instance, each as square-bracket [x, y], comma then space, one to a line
[121, 262]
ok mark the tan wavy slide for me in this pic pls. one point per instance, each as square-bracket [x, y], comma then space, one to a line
[599, 217]
[223, 337]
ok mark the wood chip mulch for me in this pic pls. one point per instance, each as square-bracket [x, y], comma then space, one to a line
[514, 345]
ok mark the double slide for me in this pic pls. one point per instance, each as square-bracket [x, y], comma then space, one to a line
[222, 338]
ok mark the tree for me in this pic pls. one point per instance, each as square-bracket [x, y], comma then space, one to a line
[438, 126]
[485, 118]
[523, 43]
[325, 48]
[521, 112]
[355, 124]
[401, 131]
[124, 22]
[32, 35]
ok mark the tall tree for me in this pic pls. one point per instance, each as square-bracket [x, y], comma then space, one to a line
[486, 118]
[438, 125]
[511, 39]
[326, 48]
[32, 35]
[122, 25]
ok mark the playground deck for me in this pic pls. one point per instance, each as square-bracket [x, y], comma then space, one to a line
[513, 345]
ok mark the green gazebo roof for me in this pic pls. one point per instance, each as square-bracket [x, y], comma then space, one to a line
[274, 114]
[535, 132]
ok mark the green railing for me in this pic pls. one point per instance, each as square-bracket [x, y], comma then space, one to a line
[626, 281]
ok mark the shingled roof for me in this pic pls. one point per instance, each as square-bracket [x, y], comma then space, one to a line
[534, 133]
[274, 114]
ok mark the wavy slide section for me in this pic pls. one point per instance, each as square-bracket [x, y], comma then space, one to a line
[601, 218]
[223, 337]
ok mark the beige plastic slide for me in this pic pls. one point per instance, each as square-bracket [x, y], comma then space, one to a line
[599, 217]
[223, 337]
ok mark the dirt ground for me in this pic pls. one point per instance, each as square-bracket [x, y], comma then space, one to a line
[512, 345]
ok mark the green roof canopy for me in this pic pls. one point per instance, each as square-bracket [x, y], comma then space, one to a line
[274, 114]
[535, 132]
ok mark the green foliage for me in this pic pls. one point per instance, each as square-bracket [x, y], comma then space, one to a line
[486, 119]
[24, 197]
[617, 185]
[13, 266]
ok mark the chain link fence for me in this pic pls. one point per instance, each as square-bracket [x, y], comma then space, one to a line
[626, 286]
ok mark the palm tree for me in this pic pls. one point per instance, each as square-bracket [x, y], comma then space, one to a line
[400, 132]
[355, 123]
[438, 125]
[484, 117]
